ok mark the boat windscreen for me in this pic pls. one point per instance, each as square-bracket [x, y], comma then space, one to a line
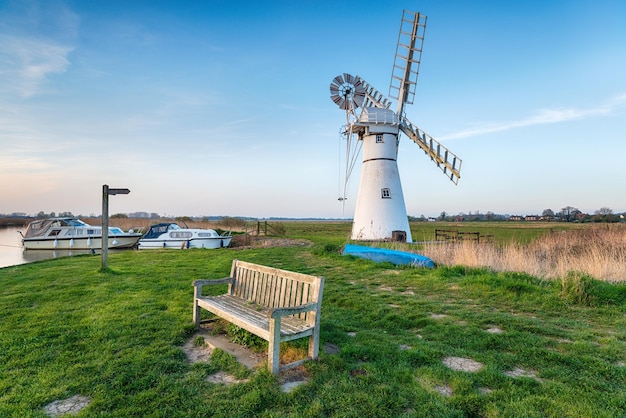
[155, 231]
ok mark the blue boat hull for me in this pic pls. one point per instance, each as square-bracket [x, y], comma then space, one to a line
[381, 255]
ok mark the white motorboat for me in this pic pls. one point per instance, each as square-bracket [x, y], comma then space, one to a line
[71, 233]
[170, 235]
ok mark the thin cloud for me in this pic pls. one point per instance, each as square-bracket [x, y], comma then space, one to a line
[545, 116]
[28, 62]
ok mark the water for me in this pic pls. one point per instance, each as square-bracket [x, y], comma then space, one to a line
[12, 254]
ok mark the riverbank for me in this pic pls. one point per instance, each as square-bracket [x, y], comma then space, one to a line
[451, 341]
[8, 222]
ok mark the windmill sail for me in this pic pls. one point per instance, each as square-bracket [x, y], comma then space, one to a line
[406, 65]
[445, 159]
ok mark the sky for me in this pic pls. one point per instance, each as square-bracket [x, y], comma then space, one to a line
[223, 107]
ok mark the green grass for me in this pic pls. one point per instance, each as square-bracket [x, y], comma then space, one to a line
[66, 328]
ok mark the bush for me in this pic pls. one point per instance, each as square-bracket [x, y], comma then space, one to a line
[576, 286]
[240, 336]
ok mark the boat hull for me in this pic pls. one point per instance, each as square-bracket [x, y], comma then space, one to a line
[212, 243]
[382, 255]
[90, 243]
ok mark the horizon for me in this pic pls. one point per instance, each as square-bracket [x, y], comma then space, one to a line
[225, 107]
[154, 215]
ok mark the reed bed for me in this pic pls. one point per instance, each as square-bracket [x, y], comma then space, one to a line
[598, 251]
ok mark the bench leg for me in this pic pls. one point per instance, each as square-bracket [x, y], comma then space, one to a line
[196, 313]
[314, 343]
[273, 350]
[314, 339]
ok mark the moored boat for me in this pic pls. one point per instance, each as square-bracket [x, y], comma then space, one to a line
[70, 233]
[170, 235]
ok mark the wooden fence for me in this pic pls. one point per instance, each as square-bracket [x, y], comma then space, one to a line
[455, 235]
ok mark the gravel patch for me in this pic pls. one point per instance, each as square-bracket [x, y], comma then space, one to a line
[517, 372]
[69, 406]
[462, 364]
[494, 330]
[224, 378]
[444, 390]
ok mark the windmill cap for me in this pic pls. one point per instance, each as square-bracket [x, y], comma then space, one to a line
[378, 116]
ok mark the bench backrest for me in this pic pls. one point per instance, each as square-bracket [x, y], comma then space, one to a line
[272, 287]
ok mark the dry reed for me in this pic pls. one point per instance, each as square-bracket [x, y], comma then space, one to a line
[597, 251]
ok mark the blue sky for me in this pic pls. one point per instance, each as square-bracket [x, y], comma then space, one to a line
[223, 108]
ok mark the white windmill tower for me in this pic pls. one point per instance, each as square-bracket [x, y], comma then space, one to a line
[380, 212]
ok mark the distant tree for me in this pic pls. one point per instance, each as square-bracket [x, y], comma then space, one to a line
[231, 223]
[119, 216]
[605, 215]
[547, 214]
[442, 216]
[569, 213]
[604, 211]
[490, 216]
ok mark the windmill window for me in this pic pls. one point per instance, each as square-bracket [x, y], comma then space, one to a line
[379, 138]
[385, 193]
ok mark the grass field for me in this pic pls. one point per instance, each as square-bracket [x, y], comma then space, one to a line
[539, 347]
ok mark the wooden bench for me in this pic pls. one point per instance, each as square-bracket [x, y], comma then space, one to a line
[277, 305]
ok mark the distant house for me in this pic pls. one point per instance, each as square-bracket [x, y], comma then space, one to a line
[516, 218]
[532, 218]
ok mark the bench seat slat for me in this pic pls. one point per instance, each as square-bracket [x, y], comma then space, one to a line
[253, 315]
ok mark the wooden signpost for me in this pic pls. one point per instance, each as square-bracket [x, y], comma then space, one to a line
[106, 192]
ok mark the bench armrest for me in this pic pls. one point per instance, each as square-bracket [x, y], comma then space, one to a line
[202, 282]
[197, 284]
[277, 312]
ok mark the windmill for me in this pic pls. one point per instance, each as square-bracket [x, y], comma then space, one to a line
[380, 212]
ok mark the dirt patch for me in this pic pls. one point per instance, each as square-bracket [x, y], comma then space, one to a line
[69, 406]
[494, 330]
[331, 349]
[462, 364]
[195, 352]
[293, 378]
[224, 378]
[517, 372]
[444, 390]
[201, 345]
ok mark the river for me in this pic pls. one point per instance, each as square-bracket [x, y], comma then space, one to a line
[12, 254]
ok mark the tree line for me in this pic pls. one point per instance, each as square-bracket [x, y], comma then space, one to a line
[566, 214]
